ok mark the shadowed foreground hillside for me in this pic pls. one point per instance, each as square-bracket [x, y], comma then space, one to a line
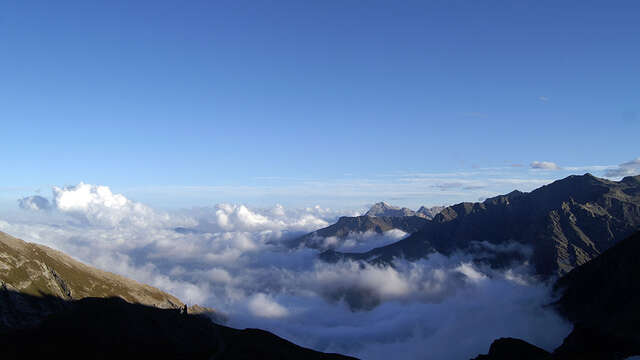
[111, 328]
[602, 299]
[54, 307]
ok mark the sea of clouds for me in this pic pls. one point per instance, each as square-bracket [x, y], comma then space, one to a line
[241, 262]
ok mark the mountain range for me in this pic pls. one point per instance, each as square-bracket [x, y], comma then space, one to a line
[556, 227]
[380, 218]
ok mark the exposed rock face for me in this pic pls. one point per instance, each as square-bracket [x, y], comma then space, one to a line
[30, 269]
[384, 209]
[361, 224]
[38, 270]
[566, 223]
[429, 213]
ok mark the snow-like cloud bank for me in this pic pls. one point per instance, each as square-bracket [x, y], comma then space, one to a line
[628, 168]
[260, 305]
[354, 242]
[97, 206]
[34, 202]
[545, 165]
[239, 261]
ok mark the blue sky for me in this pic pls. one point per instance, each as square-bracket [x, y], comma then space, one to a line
[299, 102]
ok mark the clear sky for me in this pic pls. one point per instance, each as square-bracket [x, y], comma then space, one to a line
[336, 102]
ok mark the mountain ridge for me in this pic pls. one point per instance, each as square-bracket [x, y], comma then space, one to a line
[567, 223]
[38, 270]
[380, 218]
[346, 226]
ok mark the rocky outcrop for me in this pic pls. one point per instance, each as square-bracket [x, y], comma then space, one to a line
[38, 270]
[31, 269]
[429, 213]
[384, 209]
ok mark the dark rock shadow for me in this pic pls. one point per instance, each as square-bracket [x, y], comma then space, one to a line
[48, 327]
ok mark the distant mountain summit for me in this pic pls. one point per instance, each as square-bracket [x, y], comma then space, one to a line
[429, 213]
[381, 218]
[562, 225]
[384, 209]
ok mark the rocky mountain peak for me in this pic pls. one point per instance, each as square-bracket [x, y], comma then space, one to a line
[384, 209]
[429, 213]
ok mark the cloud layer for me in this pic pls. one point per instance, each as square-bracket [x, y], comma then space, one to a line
[545, 165]
[628, 168]
[236, 259]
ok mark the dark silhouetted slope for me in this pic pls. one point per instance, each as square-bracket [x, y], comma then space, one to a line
[111, 328]
[511, 349]
[601, 299]
[54, 307]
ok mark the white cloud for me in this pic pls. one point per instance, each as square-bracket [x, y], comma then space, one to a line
[261, 305]
[545, 165]
[35, 203]
[96, 205]
[470, 272]
[233, 258]
[628, 168]
[83, 196]
[218, 275]
[356, 241]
